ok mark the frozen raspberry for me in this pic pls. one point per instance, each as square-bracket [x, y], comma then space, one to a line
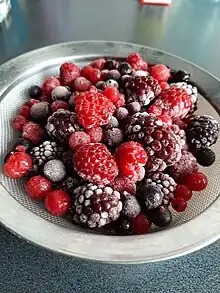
[81, 84]
[93, 109]
[166, 119]
[54, 170]
[113, 74]
[160, 72]
[103, 74]
[196, 181]
[37, 187]
[77, 139]
[57, 202]
[136, 62]
[18, 122]
[98, 64]
[112, 94]
[120, 102]
[25, 110]
[111, 64]
[34, 132]
[91, 74]
[32, 102]
[130, 156]
[124, 183]
[140, 224]
[59, 105]
[164, 85]
[94, 163]
[40, 111]
[49, 85]
[183, 191]
[46, 98]
[179, 204]
[17, 165]
[121, 113]
[95, 133]
[186, 165]
[174, 102]
[113, 137]
[131, 208]
[60, 93]
[68, 73]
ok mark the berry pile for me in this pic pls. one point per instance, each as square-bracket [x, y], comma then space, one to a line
[115, 144]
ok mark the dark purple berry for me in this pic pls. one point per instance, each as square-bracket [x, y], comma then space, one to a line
[205, 157]
[111, 64]
[113, 74]
[35, 92]
[40, 111]
[124, 68]
[149, 197]
[179, 76]
[160, 217]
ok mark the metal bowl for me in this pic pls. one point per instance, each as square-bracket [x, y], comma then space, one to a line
[191, 230]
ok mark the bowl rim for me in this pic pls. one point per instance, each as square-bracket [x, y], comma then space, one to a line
[177, 241]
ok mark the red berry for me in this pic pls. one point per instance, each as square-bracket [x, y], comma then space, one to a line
[81, 84]
[130, 156]
[93, 109]
[124, 183]
[46, 98]
[112, 94]
[91, 74]
[93, 89]
[95, 163]
[98, 64]
[120, 102]
[59, 105]
[25, 110]
[164, 85]
[57, 202]
[136, 62]
[179, 204]
[104, 74]
[34, 132]
[17, 165]
[160, 72]
[37, 187]
[95, 133]
[49, 85]
[18, 122]
[140, 224]
[183, 191]
[77, 139]
[31, 102]
[196, 181]
[166, 119]
[68, 73]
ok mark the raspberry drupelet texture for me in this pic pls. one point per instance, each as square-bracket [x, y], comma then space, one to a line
[95, 205]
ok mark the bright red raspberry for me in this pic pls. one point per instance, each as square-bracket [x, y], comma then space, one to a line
[95, 133]
[196, 181]
[25, 110]
[174, 102]
[33, 131]
[68, 73]
[104, 74]
[81, 84]
[49, 85]
[59, 105]
[166, 119]
[98, 64]
[77, 139]
[18, 122]
[17, 165]
[136, 62]
[112, 94]
[93, 109]
[130, 156]
[164, 85]
[160, 72]
[91, 74]
[31, 102]
[120, 102]
[37, 187]
[183, 191]
[95, 163]
[140, 224]
[179, 204]
[57, 202]
[124, 183]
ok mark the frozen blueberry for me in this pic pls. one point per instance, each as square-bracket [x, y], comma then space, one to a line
[35, 92]
[179, 76]
[111, 64]
[125, 68]
[100, 85]
[123, 80]
[123, 226]
[134, 107]
[60, 93]
[160, 217]
[121, 113]
[113, 122]
[54, 170]
[40, 111]
[113, 74]
[149, 197]
[113, 137]
[205, 157]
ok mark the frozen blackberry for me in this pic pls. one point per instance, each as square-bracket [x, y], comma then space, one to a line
[61, 124]
[202, 131]
[46, 151]
[131, 208]
[125, 68]
[54, 170]
[141, 73]
[179, 76]
[111, 64]
[71, 183]
[40, 111]
[192, 91]
[160, 143]
[142, 89]
[161, 216]
[67, 159]
[113, 137]
[149, 196]
[113, 74]
[205, 157]
[95, 206]
[61, 93]
[180, 134]
[164, 182]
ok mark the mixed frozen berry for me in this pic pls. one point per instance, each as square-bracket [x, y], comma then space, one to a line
[115, 144]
